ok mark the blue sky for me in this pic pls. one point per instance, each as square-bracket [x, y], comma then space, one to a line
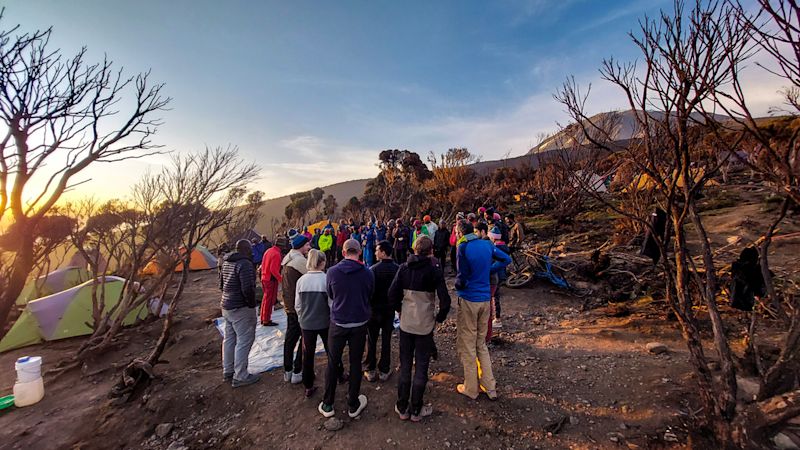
[312, 91]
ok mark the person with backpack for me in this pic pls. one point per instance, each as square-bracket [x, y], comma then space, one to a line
[413, 294]
[381, 322]
[313, 313]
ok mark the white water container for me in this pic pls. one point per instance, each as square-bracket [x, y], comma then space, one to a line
[29, 388]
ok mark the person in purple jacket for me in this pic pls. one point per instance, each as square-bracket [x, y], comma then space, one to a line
[350, 285]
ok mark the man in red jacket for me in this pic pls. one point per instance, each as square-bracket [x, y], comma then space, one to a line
[270, 280]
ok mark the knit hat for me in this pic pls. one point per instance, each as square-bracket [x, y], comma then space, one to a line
[481, 210]
[460, 215]
[496, 216]
[299, 241]
[417, 223]
[495, 234]
[291, 234]
[426, 218]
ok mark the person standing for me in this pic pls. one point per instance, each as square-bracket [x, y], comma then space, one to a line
[341, 236]
[475, 259]
[454, 235]
[413, 294]
[237, 281]
[326, 246]
[516, 233]
[429, 226]
[270, 280]
[441, 243]
[293, 267]
[402, 236]
[381, 322]
[369, 244]
[313, 313]
[350, 286]
[498, 275]
[315, 238]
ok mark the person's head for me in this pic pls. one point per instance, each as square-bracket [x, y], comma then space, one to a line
[417, 224]
[244, 248]
[399, 222]
[301, 244]
[383, 250]
[481, 210]
[317, 231]
[426, 218]
[316, 260]
[460, 216]
[254, 241]
[264, 238]
[442, 224]
[510, 218]
[465, 228]
[495, 234]
[305, 229]
[472, 218]
[423, 246]
[351, 249]
[327, 231]
[482, 230]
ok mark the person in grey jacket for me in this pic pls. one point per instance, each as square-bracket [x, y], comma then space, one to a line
[237, 281]
[313, 312]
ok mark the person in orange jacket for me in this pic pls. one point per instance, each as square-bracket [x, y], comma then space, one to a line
[270, 280]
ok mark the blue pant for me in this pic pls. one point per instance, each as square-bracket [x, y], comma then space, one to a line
[240, 332]
[369, 256]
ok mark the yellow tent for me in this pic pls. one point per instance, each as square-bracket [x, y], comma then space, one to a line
[644, 182]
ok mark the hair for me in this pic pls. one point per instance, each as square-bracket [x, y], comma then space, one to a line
[481, 226]
[316, 260]
[352, 251]
[423, 246]
[510, 216]
[465, 227]
[385, 247]
[244, 246]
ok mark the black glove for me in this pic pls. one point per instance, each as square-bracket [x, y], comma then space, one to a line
[442, 315]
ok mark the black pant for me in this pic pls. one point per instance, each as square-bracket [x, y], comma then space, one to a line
[441, 255]
[381, 324]
[497, 302]
[293, 340]
[453, 259]
[400, 255]
[414, 350]
[355, 338]
[309, 351]
[330, 256]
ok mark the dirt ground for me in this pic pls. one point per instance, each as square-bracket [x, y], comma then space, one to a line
[553, 364]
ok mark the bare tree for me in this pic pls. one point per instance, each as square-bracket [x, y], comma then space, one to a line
[62, 115]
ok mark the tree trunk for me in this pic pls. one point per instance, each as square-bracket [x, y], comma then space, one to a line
[154, 356]
[23, 263]
[763, 251]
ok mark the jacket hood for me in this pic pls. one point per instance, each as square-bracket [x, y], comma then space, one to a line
[415, 261]
[349, 266]
[296, 260]
[236, 256]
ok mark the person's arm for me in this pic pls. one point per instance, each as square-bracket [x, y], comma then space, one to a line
[500, 260]
[396, 291]
[464, 269]
[247, 281]
[220, 277]
[444, 296]
[298, 299]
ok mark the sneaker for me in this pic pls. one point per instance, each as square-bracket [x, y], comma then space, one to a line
[326, 410]
[497, 323]
[297, 378]
[310, 392]
[384, 376]
[269, 324]
[362, 403]
[461, 389]
[251, 378]
[287, 376]
[403, 415]
[370, 375]
[426, 411]
[227, 377]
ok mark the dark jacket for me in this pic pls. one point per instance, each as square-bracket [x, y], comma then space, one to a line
[350, 287]
[413, 293]
[237, 281]
[293, 267]
[441, 239]
[402, 236]
[384, 273]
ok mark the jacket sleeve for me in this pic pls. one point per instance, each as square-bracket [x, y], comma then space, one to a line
[220, 276]
[396, 290]
[247, 280]
[500, 260]
[298, 299]
[464, 269]
[444, 296]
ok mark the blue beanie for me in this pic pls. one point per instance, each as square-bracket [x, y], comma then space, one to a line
[299, 241]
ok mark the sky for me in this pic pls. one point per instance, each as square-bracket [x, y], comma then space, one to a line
[313, 91]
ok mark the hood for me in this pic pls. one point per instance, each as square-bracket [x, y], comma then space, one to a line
[416, 261]
[236, 256]
[296, 260]
[471, 237]
[349, 266]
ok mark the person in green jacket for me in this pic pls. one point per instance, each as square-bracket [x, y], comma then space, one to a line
[326, 246]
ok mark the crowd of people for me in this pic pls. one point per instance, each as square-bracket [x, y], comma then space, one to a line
[344, 284]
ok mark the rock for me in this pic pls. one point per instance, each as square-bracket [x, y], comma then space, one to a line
[164, 429]
[177, 445]
[615, 437]
[333, 424]
[747, 388]
[447, 444]
[784, 442]
[670, 437]
[656, 348]
[573, 420]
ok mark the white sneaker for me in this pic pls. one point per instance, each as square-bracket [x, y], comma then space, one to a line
[362, 403]
[297, 378]
[287, 376]
[496, 323]
[328, 414]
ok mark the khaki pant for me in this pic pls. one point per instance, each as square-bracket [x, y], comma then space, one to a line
[473, 324]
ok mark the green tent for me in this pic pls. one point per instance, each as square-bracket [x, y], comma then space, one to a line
[53, 282]
[65, 314]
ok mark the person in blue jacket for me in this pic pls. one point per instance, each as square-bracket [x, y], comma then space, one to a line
[369, 244]
[476, 259]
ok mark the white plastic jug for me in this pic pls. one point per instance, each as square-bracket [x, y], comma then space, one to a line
[29, 388]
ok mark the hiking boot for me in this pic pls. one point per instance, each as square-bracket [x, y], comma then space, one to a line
[425, 411]
[251, 378]
[403, 415]
[370, 375]
[384, 376]
[310, 391]
[362, 403]
[227, 377]
[297, 378]
[492, 395]
[326, 410]
[461, 389]
[287, 376]
[269, 324]
[497, 323]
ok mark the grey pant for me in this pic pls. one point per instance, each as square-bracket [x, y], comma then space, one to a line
[240, 332]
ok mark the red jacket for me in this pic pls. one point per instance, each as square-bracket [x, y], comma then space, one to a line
[271, 265]
[341, 237]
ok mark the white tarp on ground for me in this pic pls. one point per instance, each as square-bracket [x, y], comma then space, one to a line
[267, 351]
